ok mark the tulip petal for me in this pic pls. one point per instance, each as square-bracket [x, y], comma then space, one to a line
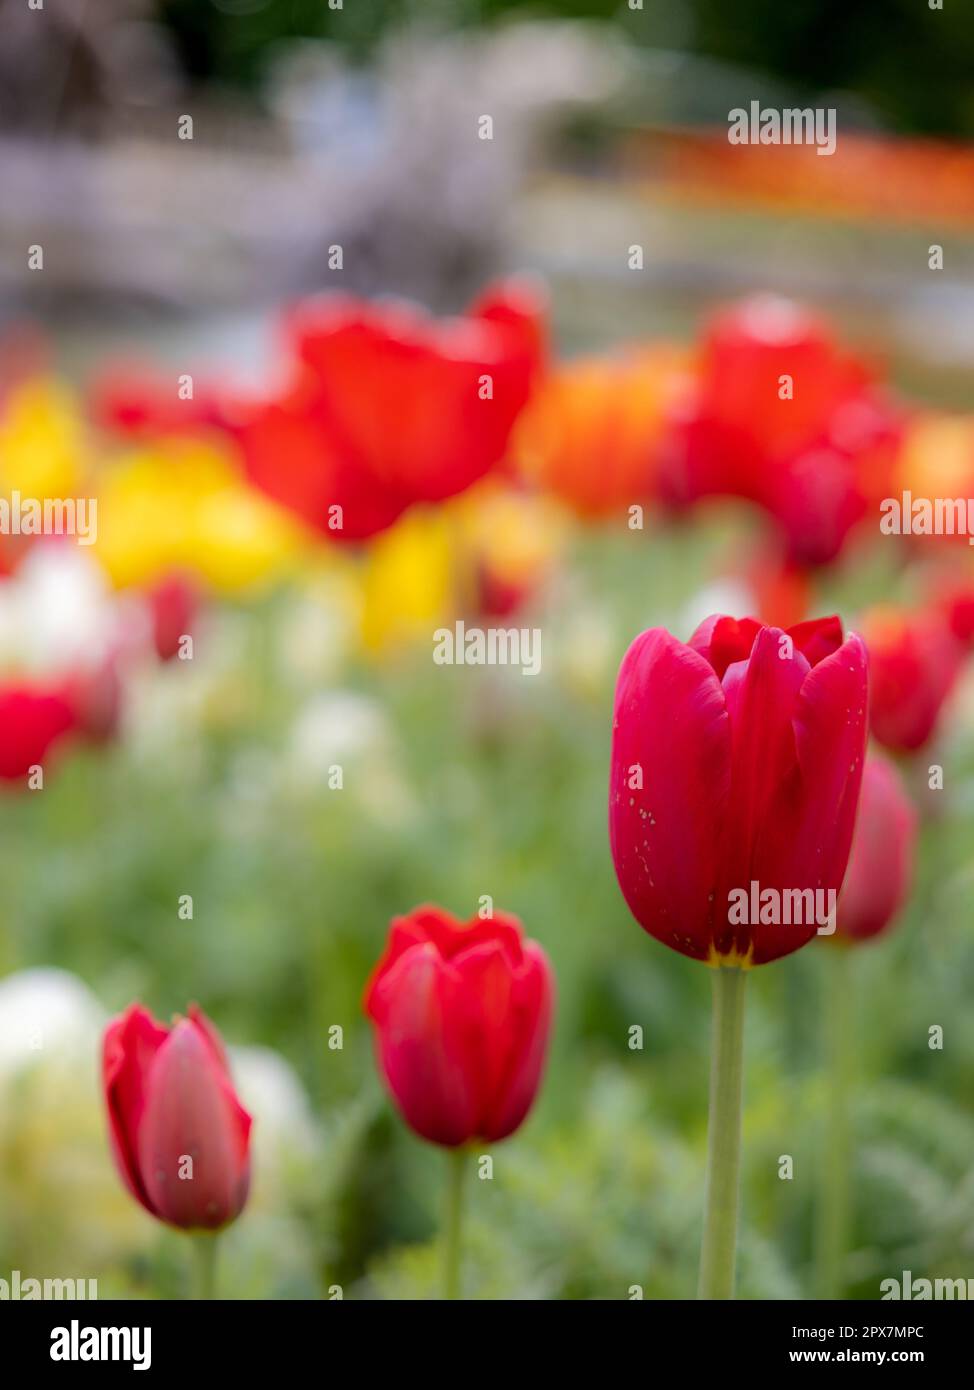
[817, 638]
[290, 454]
[404, 934]
[405, 391]
[488, 986]
[194, 1134]
[129, 1049]
[761, 695]
[501, 930]
[809, 835]
[427, 1044]
[449, 935]
[528, 1026]
[830, 732]
[672, 731]
[721, 640]
[211, 1035]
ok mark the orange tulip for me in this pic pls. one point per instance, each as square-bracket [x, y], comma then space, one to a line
[592, 432]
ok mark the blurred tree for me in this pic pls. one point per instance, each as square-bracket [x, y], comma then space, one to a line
[906, 61]
[861, 48]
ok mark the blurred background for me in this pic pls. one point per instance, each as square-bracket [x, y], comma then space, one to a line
[341, 151]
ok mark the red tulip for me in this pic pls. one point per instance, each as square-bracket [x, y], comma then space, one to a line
[881, 863]
[914, 663]
[815, 455]
[179, 1135]
[172, 608]
[32, 722]
[498, 596]
[736, 760]
[388, 406]
[954, 598]
[461, 1013]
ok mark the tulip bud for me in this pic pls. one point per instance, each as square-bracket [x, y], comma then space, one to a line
[179, 1134]
[914, 663]
[462, 1013]
[881, 862]
[955, 600]
[172, 607]
[735, 773]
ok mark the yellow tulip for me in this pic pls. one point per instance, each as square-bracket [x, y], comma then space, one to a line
[407, 581]
[43, 447]
[182, 504]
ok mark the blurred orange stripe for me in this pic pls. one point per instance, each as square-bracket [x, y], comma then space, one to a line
[867, 176]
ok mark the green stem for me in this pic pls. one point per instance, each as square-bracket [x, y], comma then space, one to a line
[719, 1249]
[835, 1204]
[453, 1210]
[204, 1254]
